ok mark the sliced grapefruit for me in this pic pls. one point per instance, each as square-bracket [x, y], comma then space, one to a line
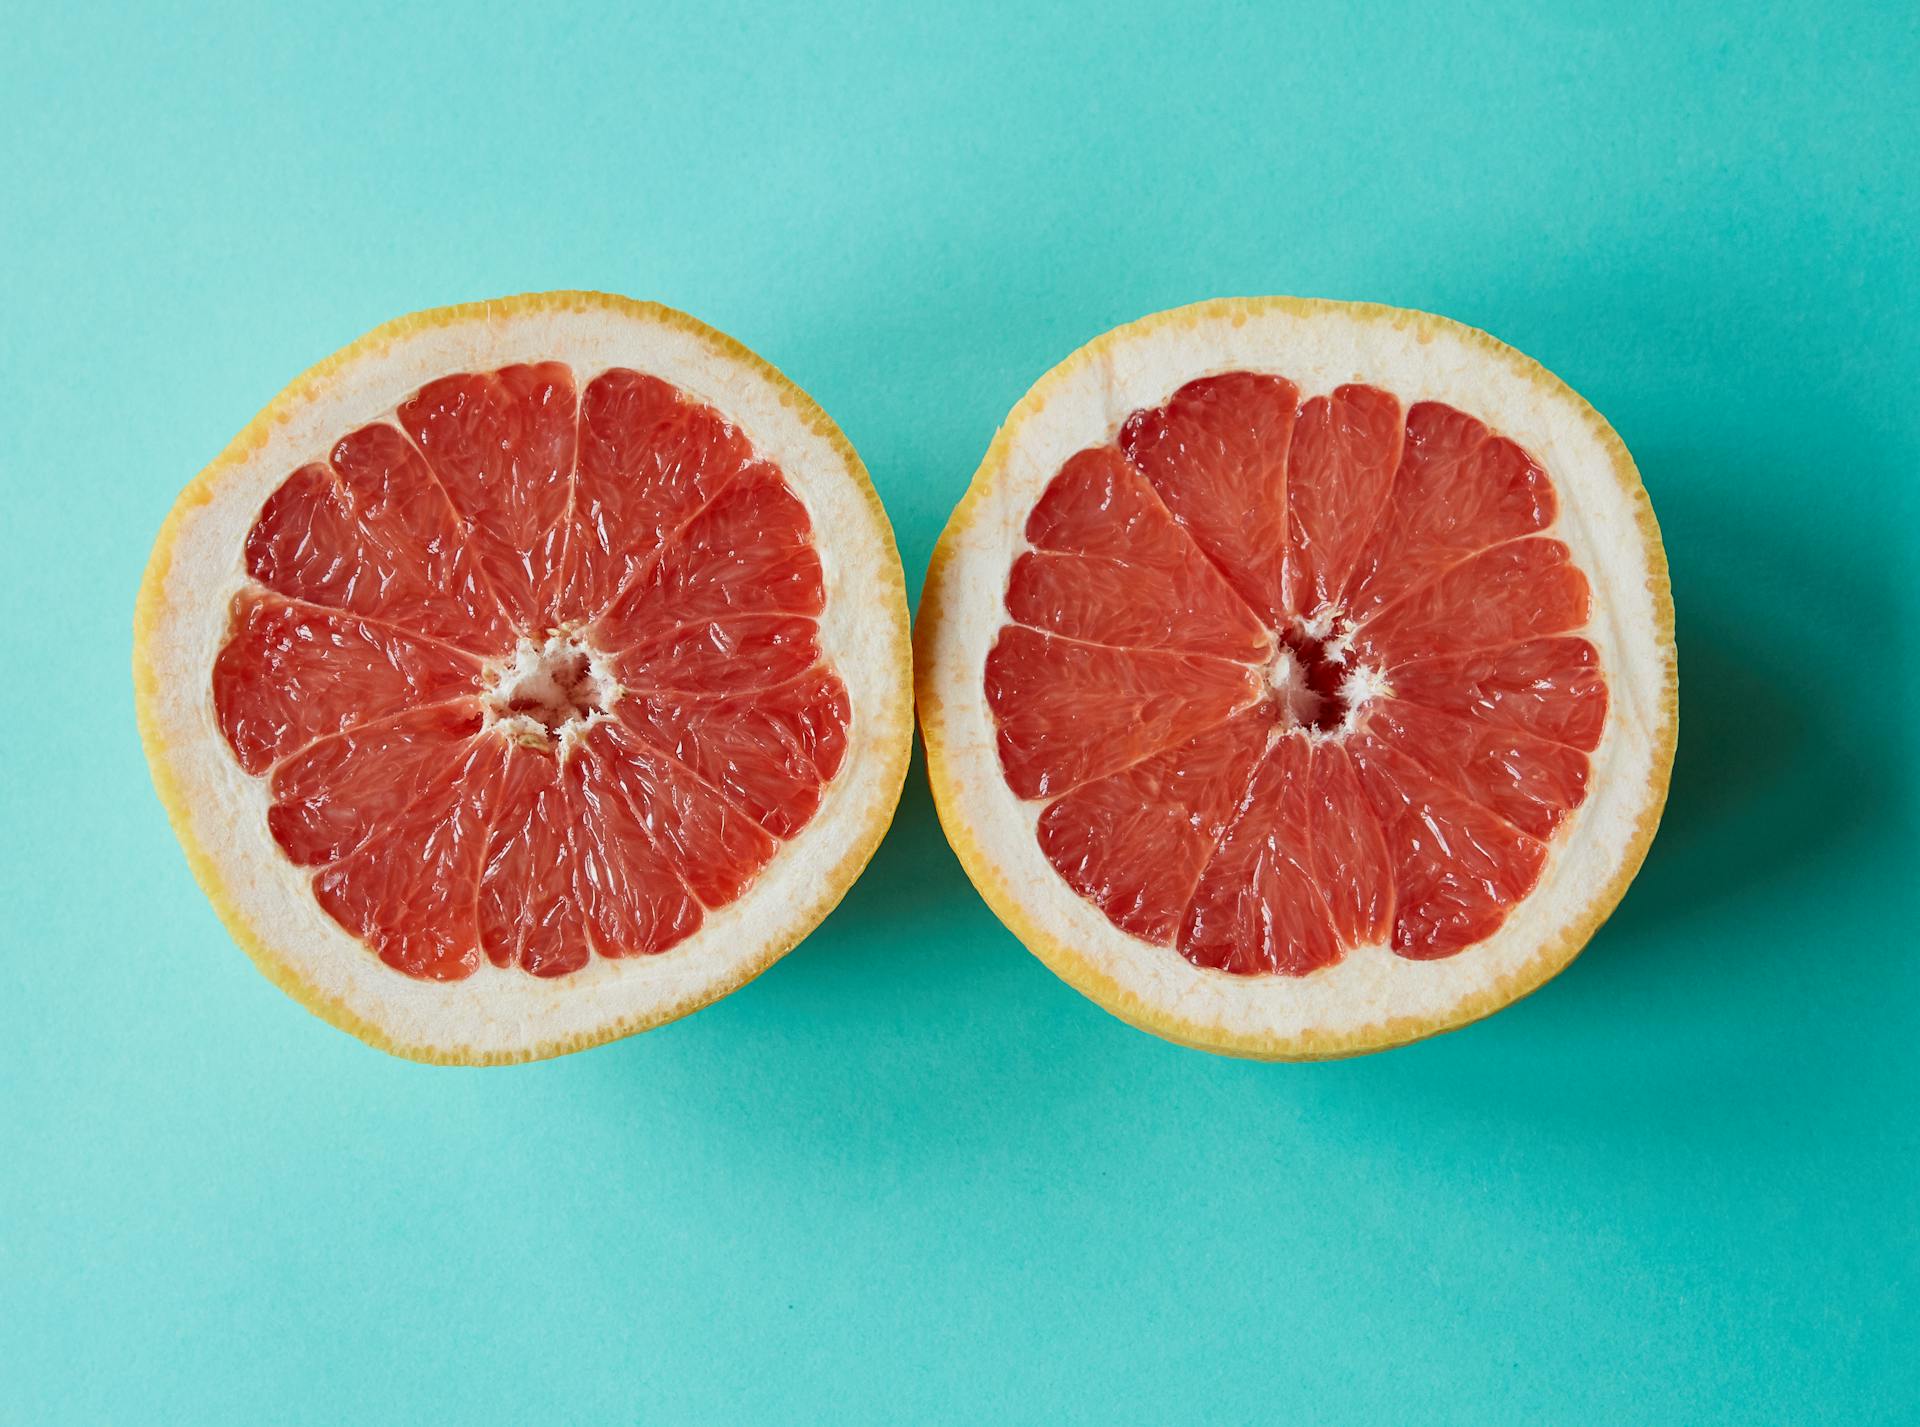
[1298, 678]
[525, 675]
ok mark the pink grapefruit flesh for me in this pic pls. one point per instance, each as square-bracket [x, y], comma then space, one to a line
[1296, 676]
[531, 671]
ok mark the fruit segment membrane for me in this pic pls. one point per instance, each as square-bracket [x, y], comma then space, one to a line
[1294, 677]
[532, 671]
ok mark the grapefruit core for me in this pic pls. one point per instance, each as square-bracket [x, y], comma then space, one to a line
[527, 674]
[1298, 678]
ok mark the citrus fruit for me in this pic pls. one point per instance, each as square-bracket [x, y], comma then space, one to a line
[1298, 678]
[527, 674]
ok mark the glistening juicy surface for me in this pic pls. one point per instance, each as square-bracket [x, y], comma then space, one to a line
[1293, 677]
[391, 585]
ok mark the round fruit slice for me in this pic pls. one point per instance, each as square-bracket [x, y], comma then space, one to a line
[1298, 677]
[527, 674]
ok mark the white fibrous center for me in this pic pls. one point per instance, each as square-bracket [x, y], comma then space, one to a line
[548, 692]
[1313, 679]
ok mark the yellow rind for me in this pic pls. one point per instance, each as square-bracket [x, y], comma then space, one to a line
[1074, 967]
[150, 610]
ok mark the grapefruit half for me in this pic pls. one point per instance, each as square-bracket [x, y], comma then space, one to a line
[1298, 677]
[527, 674]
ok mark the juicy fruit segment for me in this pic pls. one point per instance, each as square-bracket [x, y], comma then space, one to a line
[503, 445]
[1070, 711]
[1256, 906]
[1111, 566]
[532, 671]
[1178, 802]
[291, 673]
[1346, 449]
[1297, 677]
[1457, 866]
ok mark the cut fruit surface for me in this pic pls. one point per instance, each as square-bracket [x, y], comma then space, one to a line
[527, 674]
[1298, 678]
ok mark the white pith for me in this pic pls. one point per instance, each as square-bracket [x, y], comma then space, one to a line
[528, 673]
[505, 1013]
[1289, 684]
[1084, 404]
[1287, 681]
[1301, 706]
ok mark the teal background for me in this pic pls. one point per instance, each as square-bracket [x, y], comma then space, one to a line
[907, 1175]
